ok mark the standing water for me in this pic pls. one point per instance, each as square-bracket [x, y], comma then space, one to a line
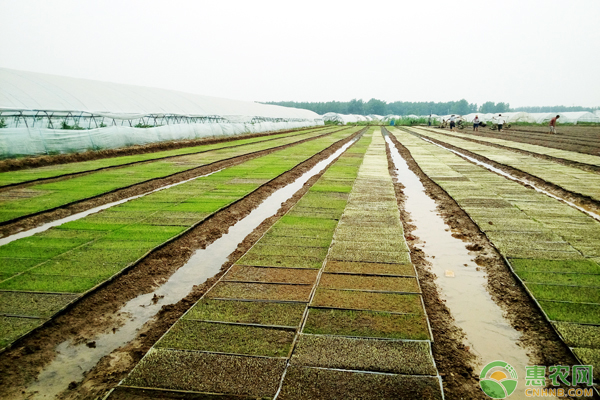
[73, 360]
[489, 335]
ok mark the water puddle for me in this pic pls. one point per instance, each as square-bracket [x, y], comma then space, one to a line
[72, 361]
[488, 334]
[85, 213]
[514, 178]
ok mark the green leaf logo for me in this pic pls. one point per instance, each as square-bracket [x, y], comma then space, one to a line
[498, 379]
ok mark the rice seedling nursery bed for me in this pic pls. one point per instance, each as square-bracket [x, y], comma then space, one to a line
[48, 196]
[352, 324]
[32, 174]
[573, 179]
[76, 257]
[550, 247]
[264, 305]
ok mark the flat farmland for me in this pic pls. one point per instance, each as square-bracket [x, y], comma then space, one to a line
[332, 292]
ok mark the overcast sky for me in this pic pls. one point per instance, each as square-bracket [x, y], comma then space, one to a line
[524, 52]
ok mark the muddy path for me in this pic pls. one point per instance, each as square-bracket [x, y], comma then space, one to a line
[96, 313]
[42, 161]
[34, 220]
[526, 179]
[454, 360]
[570, 163]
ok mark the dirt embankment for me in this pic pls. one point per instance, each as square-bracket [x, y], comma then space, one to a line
[29, 222]
[453, 359]
[42, 161]
[96, 313]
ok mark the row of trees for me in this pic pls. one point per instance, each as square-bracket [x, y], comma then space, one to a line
[379, 107]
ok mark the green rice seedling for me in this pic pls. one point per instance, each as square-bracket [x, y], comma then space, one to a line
[370, 268]
[288, 231]
[16, 250]
[12, 328]
[281, 261]
[395, 257]
[33, 304]
[273, 275]
[576, 266]
[589, 357]
[208, 373]
[576, 335]
[307, 222]
[561, 278]
[572, 312]
[367, 324]
[11, 266]
[260, 291]
[84, 225]
[391, 245]
[49, 283]
[271, 240]
[350, 299]
[577, 294]
[145, 232]
[523, 252]
[227, 338]
[390, 356]
[362, 282]
[295, 251]
[250, 312]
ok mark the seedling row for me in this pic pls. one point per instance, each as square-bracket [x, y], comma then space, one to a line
[569, 178]
[531, 148]
[551, 247]
[262, 298]
[53, 171]
[41, 274]
[20, 202]
[270, 307]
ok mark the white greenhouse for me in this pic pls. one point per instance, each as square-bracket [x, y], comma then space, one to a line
[49, 114]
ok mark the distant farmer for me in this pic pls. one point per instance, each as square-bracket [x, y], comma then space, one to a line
[499, 122]
[452, 123]
[429, 120]
[476, 122]
[553, 124]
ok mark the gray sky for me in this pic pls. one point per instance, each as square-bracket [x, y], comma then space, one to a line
[525, 52]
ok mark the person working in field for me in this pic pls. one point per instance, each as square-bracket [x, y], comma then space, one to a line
[452, 122]
[476, 122]
[499, 122]
[553, 124]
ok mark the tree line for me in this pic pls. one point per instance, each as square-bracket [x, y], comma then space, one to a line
[379, 107]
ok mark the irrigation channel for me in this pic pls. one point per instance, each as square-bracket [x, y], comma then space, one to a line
[73, 360]
[463, 284]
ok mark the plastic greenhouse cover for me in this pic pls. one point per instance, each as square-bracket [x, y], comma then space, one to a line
[22, 90]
